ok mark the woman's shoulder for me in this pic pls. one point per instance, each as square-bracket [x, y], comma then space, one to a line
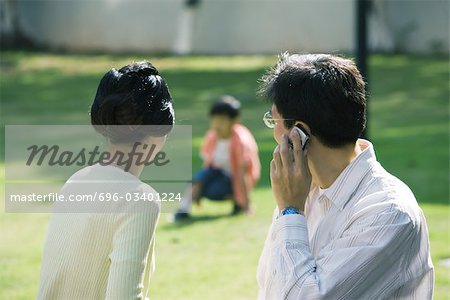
[147, 197]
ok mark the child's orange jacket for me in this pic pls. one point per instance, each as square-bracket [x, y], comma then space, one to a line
[243, 156]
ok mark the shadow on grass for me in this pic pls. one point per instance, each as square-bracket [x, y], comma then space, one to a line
[194, 219]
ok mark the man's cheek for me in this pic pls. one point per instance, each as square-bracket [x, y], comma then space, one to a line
[277, 135]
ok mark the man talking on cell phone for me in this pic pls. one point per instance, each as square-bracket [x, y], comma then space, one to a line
[343, 228]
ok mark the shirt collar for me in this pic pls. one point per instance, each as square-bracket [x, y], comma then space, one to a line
[348, 181]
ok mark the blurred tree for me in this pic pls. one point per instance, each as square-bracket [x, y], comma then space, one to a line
[192, 3]
[362, 7]
[11, 33]
[183, 40]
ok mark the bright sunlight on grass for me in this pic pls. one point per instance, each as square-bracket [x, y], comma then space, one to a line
[215, 256]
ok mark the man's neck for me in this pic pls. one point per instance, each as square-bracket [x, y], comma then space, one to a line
[327, 163]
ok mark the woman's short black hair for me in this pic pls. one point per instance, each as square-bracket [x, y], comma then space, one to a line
[226, 105]
[326, 92]
[135, 95]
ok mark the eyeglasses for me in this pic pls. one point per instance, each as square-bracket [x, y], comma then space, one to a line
[269, 121]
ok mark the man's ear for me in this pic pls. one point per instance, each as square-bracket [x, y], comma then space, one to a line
[303, 126]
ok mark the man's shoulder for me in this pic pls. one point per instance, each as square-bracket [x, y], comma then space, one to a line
[385, 193]
[391, 186]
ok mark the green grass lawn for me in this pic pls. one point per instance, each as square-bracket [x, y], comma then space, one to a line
[215, 257]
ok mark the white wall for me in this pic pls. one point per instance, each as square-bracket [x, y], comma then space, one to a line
[112, 25]
[420, 26]
[235, 26]
[273, 26]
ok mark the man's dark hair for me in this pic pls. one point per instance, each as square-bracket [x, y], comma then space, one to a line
[326, 92]
[226, 105]
[135, 95]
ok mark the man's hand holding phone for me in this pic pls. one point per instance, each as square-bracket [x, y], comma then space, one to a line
[289, 173]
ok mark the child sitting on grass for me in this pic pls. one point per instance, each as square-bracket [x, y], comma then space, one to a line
[231, 164]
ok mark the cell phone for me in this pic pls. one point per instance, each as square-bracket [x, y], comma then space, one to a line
[304, 138]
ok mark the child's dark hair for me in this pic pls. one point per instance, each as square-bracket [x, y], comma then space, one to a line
[226, 105]
[135, 95]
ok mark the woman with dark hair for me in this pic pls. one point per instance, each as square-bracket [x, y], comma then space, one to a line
[109, 255]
